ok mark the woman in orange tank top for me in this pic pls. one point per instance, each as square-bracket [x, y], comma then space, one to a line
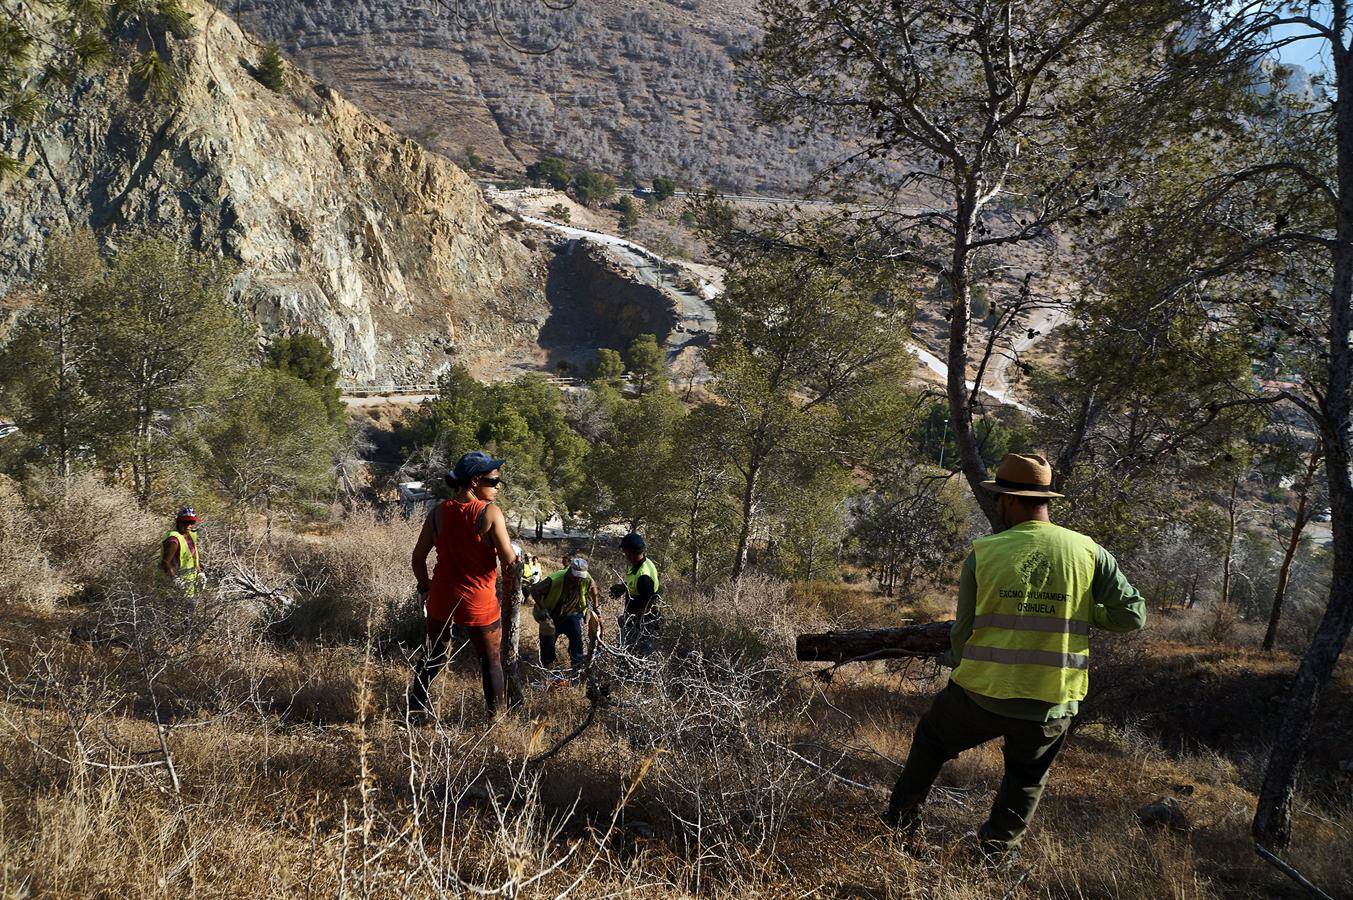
[470, 536]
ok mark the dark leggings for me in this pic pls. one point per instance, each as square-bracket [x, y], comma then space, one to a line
[488, 645]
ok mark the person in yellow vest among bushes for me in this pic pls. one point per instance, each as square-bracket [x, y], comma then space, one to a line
[1020, 644]
[563, 601]
[641, 619]
[179, 561]
[531, 572]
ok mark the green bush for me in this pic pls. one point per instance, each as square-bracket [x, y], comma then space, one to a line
[629, 213]
[550, 170]
[271, 71]
[591, 188]
[308, 358]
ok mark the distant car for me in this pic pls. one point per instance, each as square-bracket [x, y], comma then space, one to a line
[6, 429]
[1322, 516]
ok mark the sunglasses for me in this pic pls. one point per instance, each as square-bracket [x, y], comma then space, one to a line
[490, 482]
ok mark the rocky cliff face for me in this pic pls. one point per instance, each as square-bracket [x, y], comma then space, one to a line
[595, 302]
[340, 227]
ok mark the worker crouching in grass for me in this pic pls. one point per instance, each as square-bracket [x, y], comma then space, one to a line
[1020, 644]
[470, 535]
[564, 600]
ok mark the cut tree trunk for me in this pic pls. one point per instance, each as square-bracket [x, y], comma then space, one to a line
[510, 605]
[878, 643]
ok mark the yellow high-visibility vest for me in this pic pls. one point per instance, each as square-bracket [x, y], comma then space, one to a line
[646, 567]
[556, 591]
[187, 560]
[1031, 633]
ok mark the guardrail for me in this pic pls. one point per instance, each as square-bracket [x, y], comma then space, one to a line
[404, 390]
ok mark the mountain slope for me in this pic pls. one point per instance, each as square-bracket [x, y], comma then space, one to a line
[647, 87]
[341, 226]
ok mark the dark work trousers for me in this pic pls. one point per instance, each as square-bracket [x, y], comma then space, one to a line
[955, 723]
[639, 625]
[488, 646]
[570, 627]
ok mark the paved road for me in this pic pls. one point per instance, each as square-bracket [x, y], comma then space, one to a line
[380, 400]
[936, 365]
[1319, 532]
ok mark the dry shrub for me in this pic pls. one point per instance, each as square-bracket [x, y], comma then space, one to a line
[26, 575]
[97, 533]
[1220, 624]
[355, 578]
[750, 619]
[715, 739]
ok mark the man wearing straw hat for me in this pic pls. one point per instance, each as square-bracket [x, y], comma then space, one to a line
[1027, 599]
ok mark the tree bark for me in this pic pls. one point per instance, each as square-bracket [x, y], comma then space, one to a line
[960, 407]
[1293, 542]
[879, 643]
[748, 511]
[1230, 545]
[1272, 825]
[511, 609]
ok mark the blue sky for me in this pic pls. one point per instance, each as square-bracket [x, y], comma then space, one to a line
[1312, 55]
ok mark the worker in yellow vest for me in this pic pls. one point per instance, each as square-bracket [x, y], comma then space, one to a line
[531, 573]
[179, 560]
[641, 619]
[563, 601]
[1020, 646]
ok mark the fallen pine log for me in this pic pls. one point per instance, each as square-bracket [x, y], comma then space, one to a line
[877, 643]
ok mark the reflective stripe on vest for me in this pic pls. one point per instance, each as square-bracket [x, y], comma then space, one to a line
[1031, 623]
[646, 567]
[1031, 629]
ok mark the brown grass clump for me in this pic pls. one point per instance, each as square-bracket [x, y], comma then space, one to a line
[353, 578]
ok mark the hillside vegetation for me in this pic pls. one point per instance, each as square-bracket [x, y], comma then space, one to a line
[646, 88]
[245, 729]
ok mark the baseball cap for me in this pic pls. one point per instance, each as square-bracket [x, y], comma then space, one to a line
[476, 462]
[577, 567]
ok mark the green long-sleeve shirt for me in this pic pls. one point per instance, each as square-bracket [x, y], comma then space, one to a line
[1118, 608]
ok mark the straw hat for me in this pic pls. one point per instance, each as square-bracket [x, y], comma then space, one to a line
[1023, 475]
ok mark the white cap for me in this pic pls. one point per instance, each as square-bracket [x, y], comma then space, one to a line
[577, 567]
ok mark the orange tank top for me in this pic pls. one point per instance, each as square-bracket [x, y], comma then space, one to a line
[465, 581]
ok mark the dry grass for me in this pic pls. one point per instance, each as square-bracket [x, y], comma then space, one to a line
[723, 770]
[26, 574]
[95, 532]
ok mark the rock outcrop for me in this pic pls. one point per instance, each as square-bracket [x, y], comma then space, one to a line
[340, 226]
[596, 302]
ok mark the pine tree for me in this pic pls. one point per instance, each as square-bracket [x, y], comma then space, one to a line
[271, 70]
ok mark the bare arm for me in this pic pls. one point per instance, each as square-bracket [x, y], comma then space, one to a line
[426, 539]
[495, 531]
[169, 557]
